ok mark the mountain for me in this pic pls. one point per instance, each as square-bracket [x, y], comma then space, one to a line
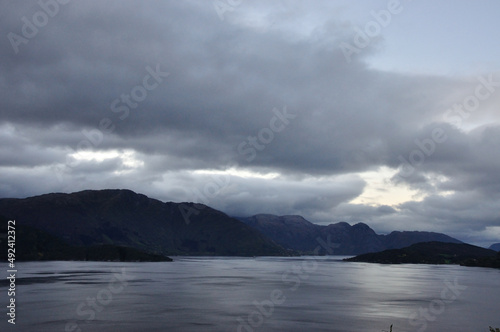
[495, 246]
[124, 218]
[434, 253]
[288, 231]
[397, 240]
[295, 232]
[35, 245]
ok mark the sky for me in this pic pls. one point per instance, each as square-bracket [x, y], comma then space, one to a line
[382, 112]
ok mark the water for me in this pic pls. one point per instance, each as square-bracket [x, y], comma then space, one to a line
[252, 294]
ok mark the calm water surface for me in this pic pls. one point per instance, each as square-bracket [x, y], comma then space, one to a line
[252, 294]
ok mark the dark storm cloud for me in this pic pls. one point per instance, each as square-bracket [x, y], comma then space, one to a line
[225, 81]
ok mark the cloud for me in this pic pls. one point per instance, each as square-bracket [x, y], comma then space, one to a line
[83, 81]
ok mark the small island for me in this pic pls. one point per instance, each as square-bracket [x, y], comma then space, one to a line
[434, 253]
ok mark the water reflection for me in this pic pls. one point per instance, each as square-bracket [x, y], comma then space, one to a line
[250, 294]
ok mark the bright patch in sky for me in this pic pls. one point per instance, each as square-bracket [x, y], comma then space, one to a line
[380, 190]
[242, 173]
[128, 158]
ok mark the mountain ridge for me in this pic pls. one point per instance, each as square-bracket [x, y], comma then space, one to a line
[121, 217]
[495, 246]
[124, 218]
[348, 239]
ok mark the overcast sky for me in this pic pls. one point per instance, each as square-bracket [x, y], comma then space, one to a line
[382, 112]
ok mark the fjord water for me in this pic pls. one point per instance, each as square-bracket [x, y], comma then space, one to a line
[252, 294]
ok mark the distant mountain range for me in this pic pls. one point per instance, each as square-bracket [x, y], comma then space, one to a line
[495, 246]
[295, 232]
[434, 253]
[124, 218]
